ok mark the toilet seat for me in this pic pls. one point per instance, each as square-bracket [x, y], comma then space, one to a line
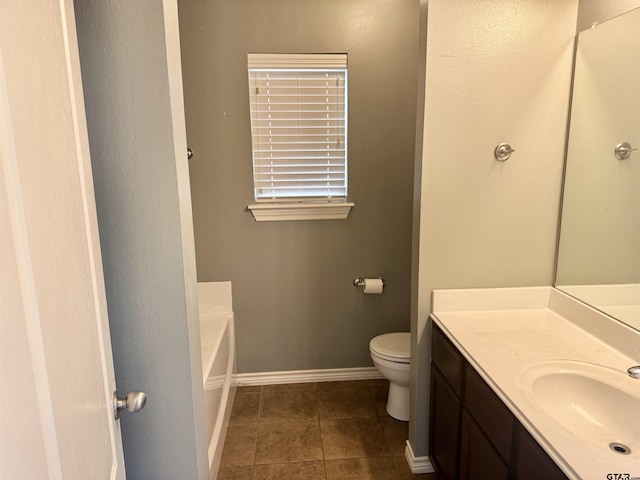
[394, 347]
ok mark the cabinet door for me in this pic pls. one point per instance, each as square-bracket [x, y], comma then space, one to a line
[445, 427]
[489, 413]
[478, 458]
[532, 462]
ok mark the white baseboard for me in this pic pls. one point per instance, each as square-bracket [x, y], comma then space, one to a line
[417, 464]
[306, 376]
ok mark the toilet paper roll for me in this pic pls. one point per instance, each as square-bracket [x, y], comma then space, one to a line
[373, 286]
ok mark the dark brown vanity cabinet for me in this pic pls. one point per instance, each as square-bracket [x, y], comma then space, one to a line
[472, 434]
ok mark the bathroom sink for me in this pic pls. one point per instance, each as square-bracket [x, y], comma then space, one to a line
[596, 403]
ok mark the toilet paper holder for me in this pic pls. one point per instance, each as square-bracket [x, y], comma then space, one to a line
[359, 281]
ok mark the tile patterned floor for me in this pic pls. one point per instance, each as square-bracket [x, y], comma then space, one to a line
[315, 431]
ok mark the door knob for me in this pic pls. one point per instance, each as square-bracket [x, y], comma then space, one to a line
[133, 402]
[189, 153]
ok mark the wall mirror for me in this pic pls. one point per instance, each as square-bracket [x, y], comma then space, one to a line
[599, 245]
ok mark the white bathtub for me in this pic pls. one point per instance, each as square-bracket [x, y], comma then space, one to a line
[217, 338]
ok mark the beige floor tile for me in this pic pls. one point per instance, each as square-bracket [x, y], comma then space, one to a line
[244, 472]
[346, 402]
[342, 384]
[249, 388]
[289, 386]
[375, 382]
[239, 445]
[288, 405]
[288, 442]
[283, 445]
[379, 394]
[353, 438]
[290, 471]
[374, 468]
[396, 434]
[245, 408]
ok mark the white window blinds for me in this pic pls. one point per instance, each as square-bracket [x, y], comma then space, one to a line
[298, 126]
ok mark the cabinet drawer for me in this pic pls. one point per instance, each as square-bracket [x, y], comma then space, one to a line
[492, 416]
[448, 360]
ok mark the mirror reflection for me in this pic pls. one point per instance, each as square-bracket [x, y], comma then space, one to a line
[599, 246]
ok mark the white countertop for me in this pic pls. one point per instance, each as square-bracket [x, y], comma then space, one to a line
[501, 331]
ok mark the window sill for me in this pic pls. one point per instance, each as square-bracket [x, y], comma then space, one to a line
[277, 212]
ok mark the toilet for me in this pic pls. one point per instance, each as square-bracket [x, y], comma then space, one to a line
[390, 353]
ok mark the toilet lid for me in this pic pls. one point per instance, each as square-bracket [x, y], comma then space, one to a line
[394, 346]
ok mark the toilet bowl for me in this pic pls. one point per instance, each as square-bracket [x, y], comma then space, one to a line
[390, 353]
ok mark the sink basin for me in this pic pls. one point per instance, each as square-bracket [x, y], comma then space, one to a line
[596, 403]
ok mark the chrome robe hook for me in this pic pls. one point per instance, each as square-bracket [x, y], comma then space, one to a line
[503, 152]
[623, 150]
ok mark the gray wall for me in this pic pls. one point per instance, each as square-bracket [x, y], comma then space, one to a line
[145, 225]
[295, 305]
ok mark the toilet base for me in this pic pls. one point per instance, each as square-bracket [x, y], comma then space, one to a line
[398, 401]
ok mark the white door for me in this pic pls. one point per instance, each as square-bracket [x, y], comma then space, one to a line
[56, 369]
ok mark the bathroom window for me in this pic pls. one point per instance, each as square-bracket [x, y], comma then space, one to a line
[298, 109]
